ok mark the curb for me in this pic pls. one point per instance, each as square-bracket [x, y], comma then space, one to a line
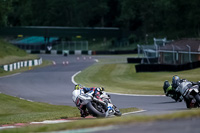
[17, 125]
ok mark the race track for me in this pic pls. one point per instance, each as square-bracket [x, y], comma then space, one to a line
[53, 85]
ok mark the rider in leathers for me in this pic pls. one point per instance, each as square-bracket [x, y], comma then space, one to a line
[171, 92]
[183, 86]
[93, 91]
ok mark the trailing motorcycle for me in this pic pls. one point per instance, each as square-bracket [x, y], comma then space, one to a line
[170, 92]
[190, 94]
[95, 107]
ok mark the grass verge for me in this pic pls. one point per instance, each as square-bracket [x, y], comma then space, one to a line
[118, 76]
[103, 122]
[7, 49]
[15, 110]
[13, 59]
[11, 54]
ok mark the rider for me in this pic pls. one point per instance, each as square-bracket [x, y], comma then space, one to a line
[93, 91]
[182, 85]
[170, 91]
[176, 81]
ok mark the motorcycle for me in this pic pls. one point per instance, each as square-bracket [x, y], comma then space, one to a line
[191, 97]
[174, 95]
[94, 106]
[171, 92]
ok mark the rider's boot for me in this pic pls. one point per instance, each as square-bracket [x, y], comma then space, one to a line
[84, 112]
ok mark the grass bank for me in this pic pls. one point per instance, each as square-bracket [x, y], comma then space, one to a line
[118, 76]
[11, 54]
[86, 123]
[7, 49]
[13, 59]
[15, 110]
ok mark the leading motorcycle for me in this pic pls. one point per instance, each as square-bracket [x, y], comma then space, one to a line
[95, 107]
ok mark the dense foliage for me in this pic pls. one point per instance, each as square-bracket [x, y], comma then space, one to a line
[171, 18]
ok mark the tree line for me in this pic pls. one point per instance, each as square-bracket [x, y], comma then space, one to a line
[169, 18]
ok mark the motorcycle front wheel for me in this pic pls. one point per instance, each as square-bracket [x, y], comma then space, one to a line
[117, 111]
[92, 110]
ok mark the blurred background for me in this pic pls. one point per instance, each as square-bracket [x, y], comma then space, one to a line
[172, 19]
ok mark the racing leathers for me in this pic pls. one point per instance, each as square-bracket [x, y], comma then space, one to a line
[184, 85]
[183, 88]
[93, 91]
[170, 91]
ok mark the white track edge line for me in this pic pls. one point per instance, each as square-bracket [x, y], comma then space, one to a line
[10, 75]
[72, 78]
[6, 127]
[64, 121]
[135, 95]
[134, 112]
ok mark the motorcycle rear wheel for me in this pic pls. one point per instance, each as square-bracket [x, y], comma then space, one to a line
[92, 110]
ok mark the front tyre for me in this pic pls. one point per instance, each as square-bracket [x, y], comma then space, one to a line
[92, 110]
[117, 111]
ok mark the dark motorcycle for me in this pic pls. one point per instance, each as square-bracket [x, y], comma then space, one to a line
[191, 97]
[170, 92]
[94, 106]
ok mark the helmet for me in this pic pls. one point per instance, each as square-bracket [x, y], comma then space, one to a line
[166, 85]
[175, 81]
[77, 87]
[100, 89]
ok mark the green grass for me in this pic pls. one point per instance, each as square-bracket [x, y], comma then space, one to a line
[86, 123]
[15, 110]
[114, 74]
[7, 49]
[13, 59]
[118, 76]
[126, 110]
[11, 54]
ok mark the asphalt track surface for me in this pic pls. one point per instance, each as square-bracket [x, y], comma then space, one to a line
[52, 84]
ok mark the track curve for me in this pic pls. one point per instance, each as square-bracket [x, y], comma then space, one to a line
[53, 85]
